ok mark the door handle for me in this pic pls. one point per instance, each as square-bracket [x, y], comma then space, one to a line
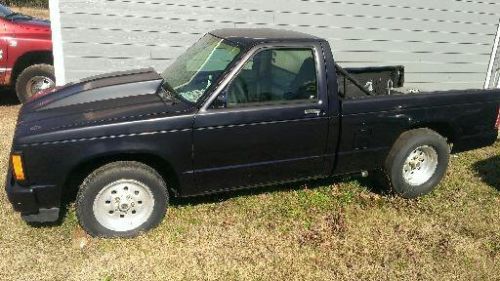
[312, 111]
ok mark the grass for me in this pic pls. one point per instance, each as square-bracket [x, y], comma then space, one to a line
[322, 230]
[34, 12]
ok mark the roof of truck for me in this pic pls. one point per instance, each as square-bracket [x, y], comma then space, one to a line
[246, 36]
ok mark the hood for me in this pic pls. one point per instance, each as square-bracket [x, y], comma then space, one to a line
[33, 22]
[98, 100]
[28, 28]
[31, 26]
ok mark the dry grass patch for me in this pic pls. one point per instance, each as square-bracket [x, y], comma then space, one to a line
[323, 230]
[34, 12]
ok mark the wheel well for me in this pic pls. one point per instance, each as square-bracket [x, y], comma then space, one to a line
[28, 59]
[79, 173]
[443, 129]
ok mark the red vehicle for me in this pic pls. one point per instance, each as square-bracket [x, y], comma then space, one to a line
[26, 60]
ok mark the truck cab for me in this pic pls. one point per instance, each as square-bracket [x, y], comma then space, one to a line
[282, 91]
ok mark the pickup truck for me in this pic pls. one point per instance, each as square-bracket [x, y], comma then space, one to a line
[240, 108]
[25, 53]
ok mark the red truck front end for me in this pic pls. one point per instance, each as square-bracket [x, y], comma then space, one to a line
[24, 41]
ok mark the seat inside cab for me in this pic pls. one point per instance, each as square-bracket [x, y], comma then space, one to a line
[275, 75]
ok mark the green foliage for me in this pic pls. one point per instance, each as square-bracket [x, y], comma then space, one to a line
[26, 3]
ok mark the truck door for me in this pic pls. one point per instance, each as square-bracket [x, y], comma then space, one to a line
[268, 124]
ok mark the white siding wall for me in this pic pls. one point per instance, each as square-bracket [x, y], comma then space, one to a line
[444, 44]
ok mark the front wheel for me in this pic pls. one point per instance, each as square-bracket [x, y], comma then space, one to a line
[33, 79]
[121, 199]
[417, 162]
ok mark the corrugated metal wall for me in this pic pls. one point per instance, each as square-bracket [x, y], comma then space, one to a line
[444, 44]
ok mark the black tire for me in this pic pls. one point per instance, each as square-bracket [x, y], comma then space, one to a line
[111, 173]
[22, 81]
[405, 145]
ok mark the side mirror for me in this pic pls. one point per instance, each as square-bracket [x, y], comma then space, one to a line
[221, 100]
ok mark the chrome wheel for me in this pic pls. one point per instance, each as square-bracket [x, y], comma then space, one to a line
[123, 205]
[420, 165]
[38, 83]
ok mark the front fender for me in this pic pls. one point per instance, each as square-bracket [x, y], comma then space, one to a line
[54, 162]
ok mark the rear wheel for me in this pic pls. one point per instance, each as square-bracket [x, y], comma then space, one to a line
[33, 79]
[417, 162]
[121, 199]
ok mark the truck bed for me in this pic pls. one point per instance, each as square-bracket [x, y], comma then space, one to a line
[371, 124]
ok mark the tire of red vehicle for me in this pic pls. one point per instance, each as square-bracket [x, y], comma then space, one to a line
[33, 79]
[121, 199]
[417, 162]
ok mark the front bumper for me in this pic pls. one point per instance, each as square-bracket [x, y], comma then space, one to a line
[37, 203]
[5, 76]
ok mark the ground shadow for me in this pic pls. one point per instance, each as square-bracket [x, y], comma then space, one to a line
[223, 196]
[8, 97]
[489, 171]
[370, 183]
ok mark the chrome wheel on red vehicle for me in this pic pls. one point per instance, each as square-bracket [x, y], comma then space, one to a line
[39, 83]
[33, 79]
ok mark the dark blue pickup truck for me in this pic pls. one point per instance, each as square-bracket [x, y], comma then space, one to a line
[240, 108]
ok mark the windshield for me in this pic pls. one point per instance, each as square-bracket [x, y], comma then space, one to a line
[4, 11]
[194, 71]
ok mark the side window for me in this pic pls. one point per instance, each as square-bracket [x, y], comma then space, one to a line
[274, 76]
